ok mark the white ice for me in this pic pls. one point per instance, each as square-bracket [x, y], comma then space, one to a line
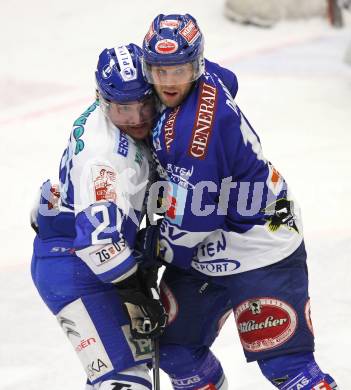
[295, 90]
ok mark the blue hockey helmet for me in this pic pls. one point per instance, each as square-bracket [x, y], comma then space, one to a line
[124, 95]
[119, 75]
[173, 40]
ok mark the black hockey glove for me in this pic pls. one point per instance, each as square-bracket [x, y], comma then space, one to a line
[146, 249]
[141, 301]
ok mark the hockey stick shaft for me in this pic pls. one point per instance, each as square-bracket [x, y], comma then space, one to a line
[156, 365]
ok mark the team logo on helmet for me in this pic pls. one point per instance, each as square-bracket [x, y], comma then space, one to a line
[265, 323]
[166, 46]
[107, 70]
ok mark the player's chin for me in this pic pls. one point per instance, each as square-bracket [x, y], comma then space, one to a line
[138, 132]
[171, 102]
[171, 99]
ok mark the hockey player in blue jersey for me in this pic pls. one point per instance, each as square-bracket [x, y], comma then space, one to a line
[232, 236]
[83, 263]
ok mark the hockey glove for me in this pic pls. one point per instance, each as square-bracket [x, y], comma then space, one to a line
[147, 316]
[146, 249]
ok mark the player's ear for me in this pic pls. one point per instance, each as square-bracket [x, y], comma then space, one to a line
[97, 95]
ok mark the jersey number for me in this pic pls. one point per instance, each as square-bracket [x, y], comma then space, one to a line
[102, 226]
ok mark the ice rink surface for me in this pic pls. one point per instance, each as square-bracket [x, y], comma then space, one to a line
[293, 87]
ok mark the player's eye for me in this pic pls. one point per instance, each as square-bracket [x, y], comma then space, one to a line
[161, 72]
[124, 108]
[179, 71]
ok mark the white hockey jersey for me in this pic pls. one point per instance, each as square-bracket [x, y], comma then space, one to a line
[104, 177]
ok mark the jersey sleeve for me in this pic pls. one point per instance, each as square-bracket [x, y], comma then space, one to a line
[106, 225]
[254, 183]
[227, 76]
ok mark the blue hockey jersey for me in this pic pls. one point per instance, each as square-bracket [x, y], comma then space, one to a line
[229, 209]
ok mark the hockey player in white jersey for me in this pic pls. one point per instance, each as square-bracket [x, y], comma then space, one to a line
[83, 263]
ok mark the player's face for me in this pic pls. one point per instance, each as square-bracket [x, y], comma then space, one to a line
[134, 118]
[172, 83]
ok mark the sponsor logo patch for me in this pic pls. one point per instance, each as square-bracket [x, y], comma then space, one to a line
[76, 322]
[171, 23]
[125, 62]
[166, 46]
[203, 121]
[140, 348]
[128, 73]
[69, 326]
[220, 266]
[123, 145]
[190, 32]
[169, 128]
[180, 175]
[96, 368]
[185, 382]
[265, 323]
[85, 344]
[108, 252]
[62, 250]
[104, 183]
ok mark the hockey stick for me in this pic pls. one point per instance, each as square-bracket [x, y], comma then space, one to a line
[156, 365]
[156, 345]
